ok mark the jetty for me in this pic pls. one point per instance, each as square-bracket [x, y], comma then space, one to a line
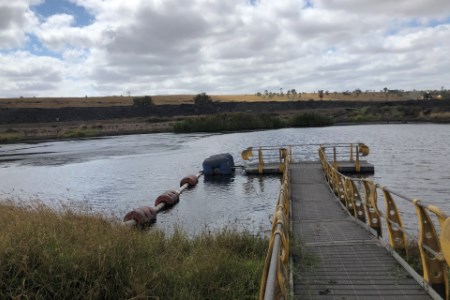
[347, 261]
[331, 240]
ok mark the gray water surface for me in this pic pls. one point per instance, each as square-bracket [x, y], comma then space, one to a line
[116, 174]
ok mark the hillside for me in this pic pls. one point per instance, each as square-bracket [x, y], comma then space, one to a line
[29, 119]
[48, 102]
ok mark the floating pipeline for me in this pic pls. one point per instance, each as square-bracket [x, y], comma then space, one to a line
[191, 180]
[169, 198]
[141, 216]
[145, 216]
[220, 164]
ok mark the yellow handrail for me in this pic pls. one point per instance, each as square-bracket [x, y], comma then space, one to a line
[275, 277]
[434, 249]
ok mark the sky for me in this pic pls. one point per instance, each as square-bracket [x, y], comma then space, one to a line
[156, 47]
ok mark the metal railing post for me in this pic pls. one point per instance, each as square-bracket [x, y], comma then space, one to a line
[290, 153]
[260, 161]
[351, 152]
[334, 158]
[358, 164]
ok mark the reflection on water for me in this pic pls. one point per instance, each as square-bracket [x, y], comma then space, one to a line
[115, 174]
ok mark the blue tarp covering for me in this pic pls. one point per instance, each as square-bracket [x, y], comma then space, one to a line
[220, 164]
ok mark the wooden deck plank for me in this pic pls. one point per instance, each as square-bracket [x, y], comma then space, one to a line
[346, 262]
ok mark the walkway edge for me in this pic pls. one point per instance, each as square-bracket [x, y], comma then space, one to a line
[416, 276]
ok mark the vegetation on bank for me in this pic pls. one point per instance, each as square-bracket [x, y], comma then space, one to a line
[11, 136]
[48, 255]
[249, 121]
[385, 112]
[311, 119]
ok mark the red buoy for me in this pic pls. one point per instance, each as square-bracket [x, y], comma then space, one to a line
[169, 198]
[191, 180]
[143, 216]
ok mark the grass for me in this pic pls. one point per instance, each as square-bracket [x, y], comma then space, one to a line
[246, 121]
[48, 255]
[80, 133]
[11, 137]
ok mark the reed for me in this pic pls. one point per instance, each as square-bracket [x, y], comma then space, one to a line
[66, 255]
[311, 119]
[229, 122]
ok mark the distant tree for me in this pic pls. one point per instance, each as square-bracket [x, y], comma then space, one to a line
[281, 92]
[293, 92]
[258, 94]
[427, 96]
[288, 93]
[266, 92]
[143, 101]
[321, 94]
[385, 89]
[202, 98]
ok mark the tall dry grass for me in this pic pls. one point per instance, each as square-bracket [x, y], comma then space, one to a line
[49, 255]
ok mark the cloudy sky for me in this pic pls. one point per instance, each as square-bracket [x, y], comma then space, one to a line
[114, 47]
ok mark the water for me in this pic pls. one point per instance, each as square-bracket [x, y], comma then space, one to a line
[116, 174]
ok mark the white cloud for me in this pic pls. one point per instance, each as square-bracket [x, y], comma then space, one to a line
[173, 46]
[23, 74]
[57, 33]
[16, 19]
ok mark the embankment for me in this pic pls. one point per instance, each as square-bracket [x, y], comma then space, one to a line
[68, 114]
[73, 122]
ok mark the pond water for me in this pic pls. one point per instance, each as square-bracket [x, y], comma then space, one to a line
[116, 174]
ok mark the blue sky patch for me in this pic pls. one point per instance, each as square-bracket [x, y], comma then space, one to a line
[435, 23]
[52, 7]
[35, 47]
[308, 4]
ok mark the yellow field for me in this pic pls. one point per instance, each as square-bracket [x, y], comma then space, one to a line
[188, 99]
[315, 96]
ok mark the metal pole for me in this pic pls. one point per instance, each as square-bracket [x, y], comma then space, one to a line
[270, 291]
[334, 158]
[260, 161]
[290, 152]
[351, 152]
[358, 164]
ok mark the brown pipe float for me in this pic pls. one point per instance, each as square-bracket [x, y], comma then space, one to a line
[191, 180]
[142, 216]
[146, 216]
[169, 198]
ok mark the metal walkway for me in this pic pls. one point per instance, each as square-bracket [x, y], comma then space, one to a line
[340, 259]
